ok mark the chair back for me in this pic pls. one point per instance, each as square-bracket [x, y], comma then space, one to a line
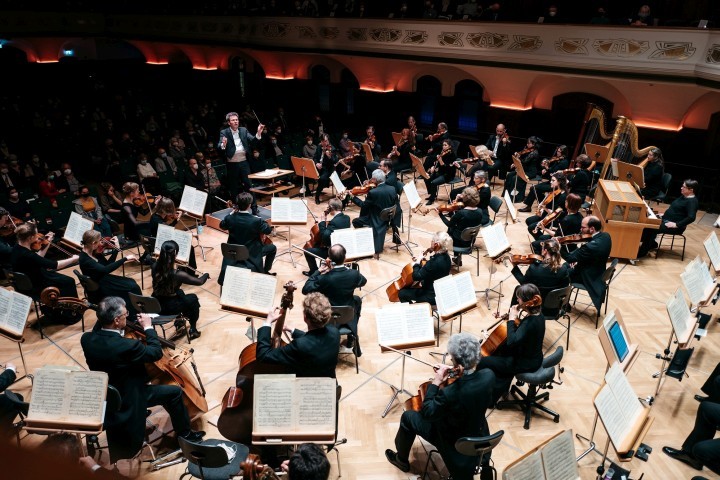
[113, 400]
[387, 214]
[145, 304]
[470, 234]
[478, 446]
[342, 315]
[555, 299]
[495, 203]
[204, 456]
[234, 252]
[18, 405]
[609, 272]
[454, 144]
[554, 358]
[666, 179]
[20, 282]
[88, 284]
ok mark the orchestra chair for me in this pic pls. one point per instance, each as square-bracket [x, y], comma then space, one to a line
[209, 461]
[148, 247]
[90, 287]
[660, 197]
[476, 447]
[607, 278]
[333, 446]
[21, 283]
[553, 308]
[151, 306]
[386, 216]
[21, 408]
[672, 244]
[543, 378]
[340, 317]
[113, 402]
[469, 234]
[495, 204]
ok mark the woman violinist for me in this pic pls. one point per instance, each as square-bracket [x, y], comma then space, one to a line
[522, 351]
[469, 216]
[568, 223]
[166, 280]
[94, 264]
[441, 171]
[132, 202]
[554, 199]
[557, 163]
[529, 157]
[435, 268]
[165, 213]
[401, 153]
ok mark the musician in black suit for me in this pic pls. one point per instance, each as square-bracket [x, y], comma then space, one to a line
[378, 199]
[437, 267]
[522, 351]
[310, 354]
[334, 220]
[237, 143]
[548, 275]
[448, 414]
[589, 260]
[569, 224]
[338, 283]
[499, 146]
[245, 229]
[326, 159]
[653, 174]
[711, 387]
[580, 182]
[468, 216]
[389, 169]
[682, 212]
[700, 448]
[123, 359]
[8, 410]
[436, 142]
[559, 163]
[529, 160]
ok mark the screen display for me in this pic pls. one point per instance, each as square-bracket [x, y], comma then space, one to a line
[618, 341]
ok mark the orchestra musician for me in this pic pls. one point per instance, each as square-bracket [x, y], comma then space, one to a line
[483, 189]
[325, 160]
[529, 158]
[653, 174]
[346, 145]
[450, 413]
[468, 216]
[379, 198]
[166, 281]
[701, 448]
[392, 179]
[166, 214]
[569, 224]
[499, 146]
[237, 143]
[682, 212]
[8, 409]
[354, 165]
[310, 354]
[484, 157]
[558, 186]
[338, 282]
[436, 141]
[581, 182]
[333, 220]
[557, 163]
[589, 260]
[5, 247]
[522, 351]
[441, 170]
[94, 264]
[402, 151]
[132, 201]
[245, 229]
[108, 350]
[371, 140]
[548, 275]
[436, 267]
[307, 462]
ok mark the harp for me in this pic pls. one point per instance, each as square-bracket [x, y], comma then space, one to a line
[624, 144]
[593, 130]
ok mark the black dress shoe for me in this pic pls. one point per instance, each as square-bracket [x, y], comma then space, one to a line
[307, 273]
[317, 201]
[683, 456]
[524, 209]
[393, 458]
[193, 333]
[701, 398]
[274, 274]
[193, 436]
[430, 201]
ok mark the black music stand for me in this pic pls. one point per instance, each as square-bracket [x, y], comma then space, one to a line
[305, 168]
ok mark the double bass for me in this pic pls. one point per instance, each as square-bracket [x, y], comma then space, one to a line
[236, 416]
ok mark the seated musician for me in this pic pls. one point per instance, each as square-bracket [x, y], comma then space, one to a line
[522, 351]
[700, 447]
[307, 462]
[94, 264]
[325, 160]
[468, 216]
[529, 158]
[589, 260]
[548, 275]
[165, 213]
[499, 146]
[436, 142]
[43, 272]
[352, 168]
[388, 168]
[338, 282]
[558, 184]
[580, 182]
[653, 174]
[682, 212]
[166, 281]
[378, 199]
[441, 170]
[8, 232]
[131, 205]
[245, 229]
[89, 207]
[108, 350]
[569, 224]
[401, 152]
[483, 189]
[484, 157]
[310, 354]
[335, 219]
[450, 413]
[8, 409]
[375, 149]
[557, 163]
[437, 267]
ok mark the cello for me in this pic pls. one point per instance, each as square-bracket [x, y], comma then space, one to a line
[406, 276]
[236, 416]
[253, 469]
[498, 336]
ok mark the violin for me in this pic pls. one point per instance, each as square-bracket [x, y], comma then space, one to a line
[575, 238]
[415, 403]
[371, 141]
[434, 136]
[9, 228]
[365, 188]
[39, 243]
[570, 171]
[505, 137]
[106, 243]
[547, 200]
[549, 218]
[498, 336]
[450, 207]
[523, 152]
[146, 200]
[236, 418]
[527, 259]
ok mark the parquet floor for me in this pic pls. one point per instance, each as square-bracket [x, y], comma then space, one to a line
[638, 291]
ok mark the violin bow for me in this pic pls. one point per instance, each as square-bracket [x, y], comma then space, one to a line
[308, 209]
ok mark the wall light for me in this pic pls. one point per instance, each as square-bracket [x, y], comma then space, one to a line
[510, 107]
[378, 90]
[660, 126]
[278, 77]
[156, 63]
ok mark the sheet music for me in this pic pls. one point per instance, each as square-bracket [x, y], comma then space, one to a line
[696, 281]
[193, 201]
[558, 457]
[272, 402]
[14, 310]
[268, 173]
[454, 293]
[530, 468]
[402, 324]
[76, 227]
[287, 210]
[612, 417]
[624, 393]
[182, 237]
[244, 289]
[358, 242]
[495, 239]
[316, 403]
[679, 313]
[411, 194]
[712, 247]
[509, 205]
[337, 183]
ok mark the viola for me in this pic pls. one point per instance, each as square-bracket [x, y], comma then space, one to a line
[146, 200]
[9, 228]
[106, 243]
[235, 420]
[549, 218]
[575, 238]
[548, 200]
[415, 403]
[450, 207]
[526, 259]
[435, 136]
[498, 336]
[39, 243]
[365, 188]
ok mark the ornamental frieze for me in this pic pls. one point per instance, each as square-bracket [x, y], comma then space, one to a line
[306, 32]
[673, 51]
[385, 34]
[416, 37]
[487, 40]
[713, 54]
[275, 29]
[329, 33]
[450, 39]
[357, 34]
[620, 47]
[573, 46]
[525, 43]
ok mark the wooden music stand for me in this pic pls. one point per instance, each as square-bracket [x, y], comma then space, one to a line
[397, 136]
[368, 153]
[712, 248]
[631, 173]
[419, 167]
[597, 153]
[305, 168]
[519, 173]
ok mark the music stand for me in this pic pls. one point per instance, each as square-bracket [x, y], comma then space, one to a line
[631, 173]
[397, 136]
[419, 167]
[519, 173]
[597, 153]
[368, 153]
[238, 253]
[305, 168]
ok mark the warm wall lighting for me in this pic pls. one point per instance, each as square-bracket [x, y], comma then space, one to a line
[659, 126]
[379, 90]
[204, 68]
[47, 61]
[510, 107]
[156, 63]
[278, 77]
